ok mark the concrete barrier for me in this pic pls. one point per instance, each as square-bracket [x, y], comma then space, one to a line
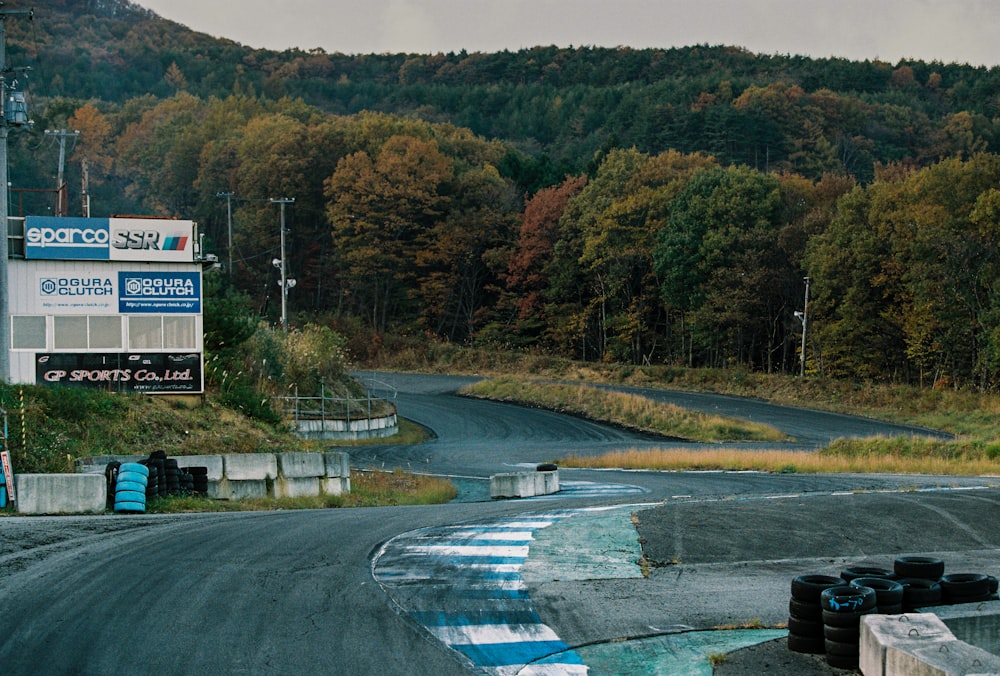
[975, 623]
[950, 658]
[230, 477]
[250, 466]
[524, 484]
[923, 644]
[337, 477]
[61, 493]
[881, 632]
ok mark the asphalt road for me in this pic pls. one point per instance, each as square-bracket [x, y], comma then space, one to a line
[293, 592]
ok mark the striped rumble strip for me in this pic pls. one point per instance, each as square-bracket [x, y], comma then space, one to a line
[463, 584]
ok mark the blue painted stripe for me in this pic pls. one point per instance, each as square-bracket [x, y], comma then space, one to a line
[509, 654]
[515, 594]
[497, 575]
[480, 560]
[440, 618]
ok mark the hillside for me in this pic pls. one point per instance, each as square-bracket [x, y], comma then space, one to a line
[768, 111]
[658, 206]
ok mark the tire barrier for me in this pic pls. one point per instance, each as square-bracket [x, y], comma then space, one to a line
[843, 607]
[111, 477]
[920, 593]
[805, 614]
[3, 490]
[130, 487]
[825, 612]
[888, 593]
[918, 567]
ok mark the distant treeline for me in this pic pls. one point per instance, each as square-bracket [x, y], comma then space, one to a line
[612, 204]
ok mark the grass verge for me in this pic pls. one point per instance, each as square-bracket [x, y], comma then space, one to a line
[368, 489]
[857, 456]
[623, 409]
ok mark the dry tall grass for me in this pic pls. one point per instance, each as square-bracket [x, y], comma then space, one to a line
[627, 410]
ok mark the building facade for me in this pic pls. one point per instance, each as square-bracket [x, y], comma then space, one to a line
[111, 303]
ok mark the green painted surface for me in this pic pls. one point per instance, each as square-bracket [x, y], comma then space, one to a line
[601, 545]
[684, 654]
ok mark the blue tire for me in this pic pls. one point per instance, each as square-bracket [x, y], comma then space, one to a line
[132, 477]
[130, 486]
[133, 467]
[130, 507]
[130, 496]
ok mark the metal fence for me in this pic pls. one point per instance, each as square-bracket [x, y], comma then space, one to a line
[322, 407]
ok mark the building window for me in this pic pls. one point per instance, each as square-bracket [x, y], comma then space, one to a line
[69, 333]
[178, 333]
[105, 333]
[28, 333]
[145, 333]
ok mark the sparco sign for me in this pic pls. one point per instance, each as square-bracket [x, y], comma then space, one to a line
[115, 239]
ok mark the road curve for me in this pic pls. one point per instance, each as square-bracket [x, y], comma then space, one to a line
[293, 592]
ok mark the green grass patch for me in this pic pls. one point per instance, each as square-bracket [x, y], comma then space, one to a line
[619, 408]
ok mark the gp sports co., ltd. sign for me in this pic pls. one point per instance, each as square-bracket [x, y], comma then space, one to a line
[108, 239]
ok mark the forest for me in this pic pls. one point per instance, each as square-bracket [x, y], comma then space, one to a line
[692, 206]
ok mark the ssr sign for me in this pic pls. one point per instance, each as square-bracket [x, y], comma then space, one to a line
[108, 239]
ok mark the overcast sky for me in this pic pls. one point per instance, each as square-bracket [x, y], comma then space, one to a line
[963, 31]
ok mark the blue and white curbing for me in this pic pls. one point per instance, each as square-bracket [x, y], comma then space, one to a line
[474, 571]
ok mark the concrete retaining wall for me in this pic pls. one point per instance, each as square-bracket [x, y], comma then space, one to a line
[364, 428]
[230, 477]
[524, 484]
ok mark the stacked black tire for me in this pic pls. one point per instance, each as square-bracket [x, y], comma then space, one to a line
[172, 479]
[843, 607]
[805, 613]
[198, 479]
[919, 576]
[173, 472]
[824, 613]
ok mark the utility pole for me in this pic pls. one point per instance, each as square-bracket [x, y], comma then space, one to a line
[62, 135]
[14, 114]
[85, 187]
[804, 316]
[285, 282]
[229, 220]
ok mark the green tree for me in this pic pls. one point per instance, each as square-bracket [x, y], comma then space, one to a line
[379, 208]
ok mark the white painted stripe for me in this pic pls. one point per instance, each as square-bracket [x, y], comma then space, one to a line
[469, 550]
[496, 567]
[474, 634]
[554, 670]
[507, 535]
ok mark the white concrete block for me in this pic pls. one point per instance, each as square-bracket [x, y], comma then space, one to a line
[878, 632]
[301, 465]
[212, 462]
[247, 488]
[60, 493]
[336, 485]
[250, 466]
[337, 464]
[296, 487]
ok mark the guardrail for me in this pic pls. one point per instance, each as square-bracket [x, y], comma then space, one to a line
[326, 417]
